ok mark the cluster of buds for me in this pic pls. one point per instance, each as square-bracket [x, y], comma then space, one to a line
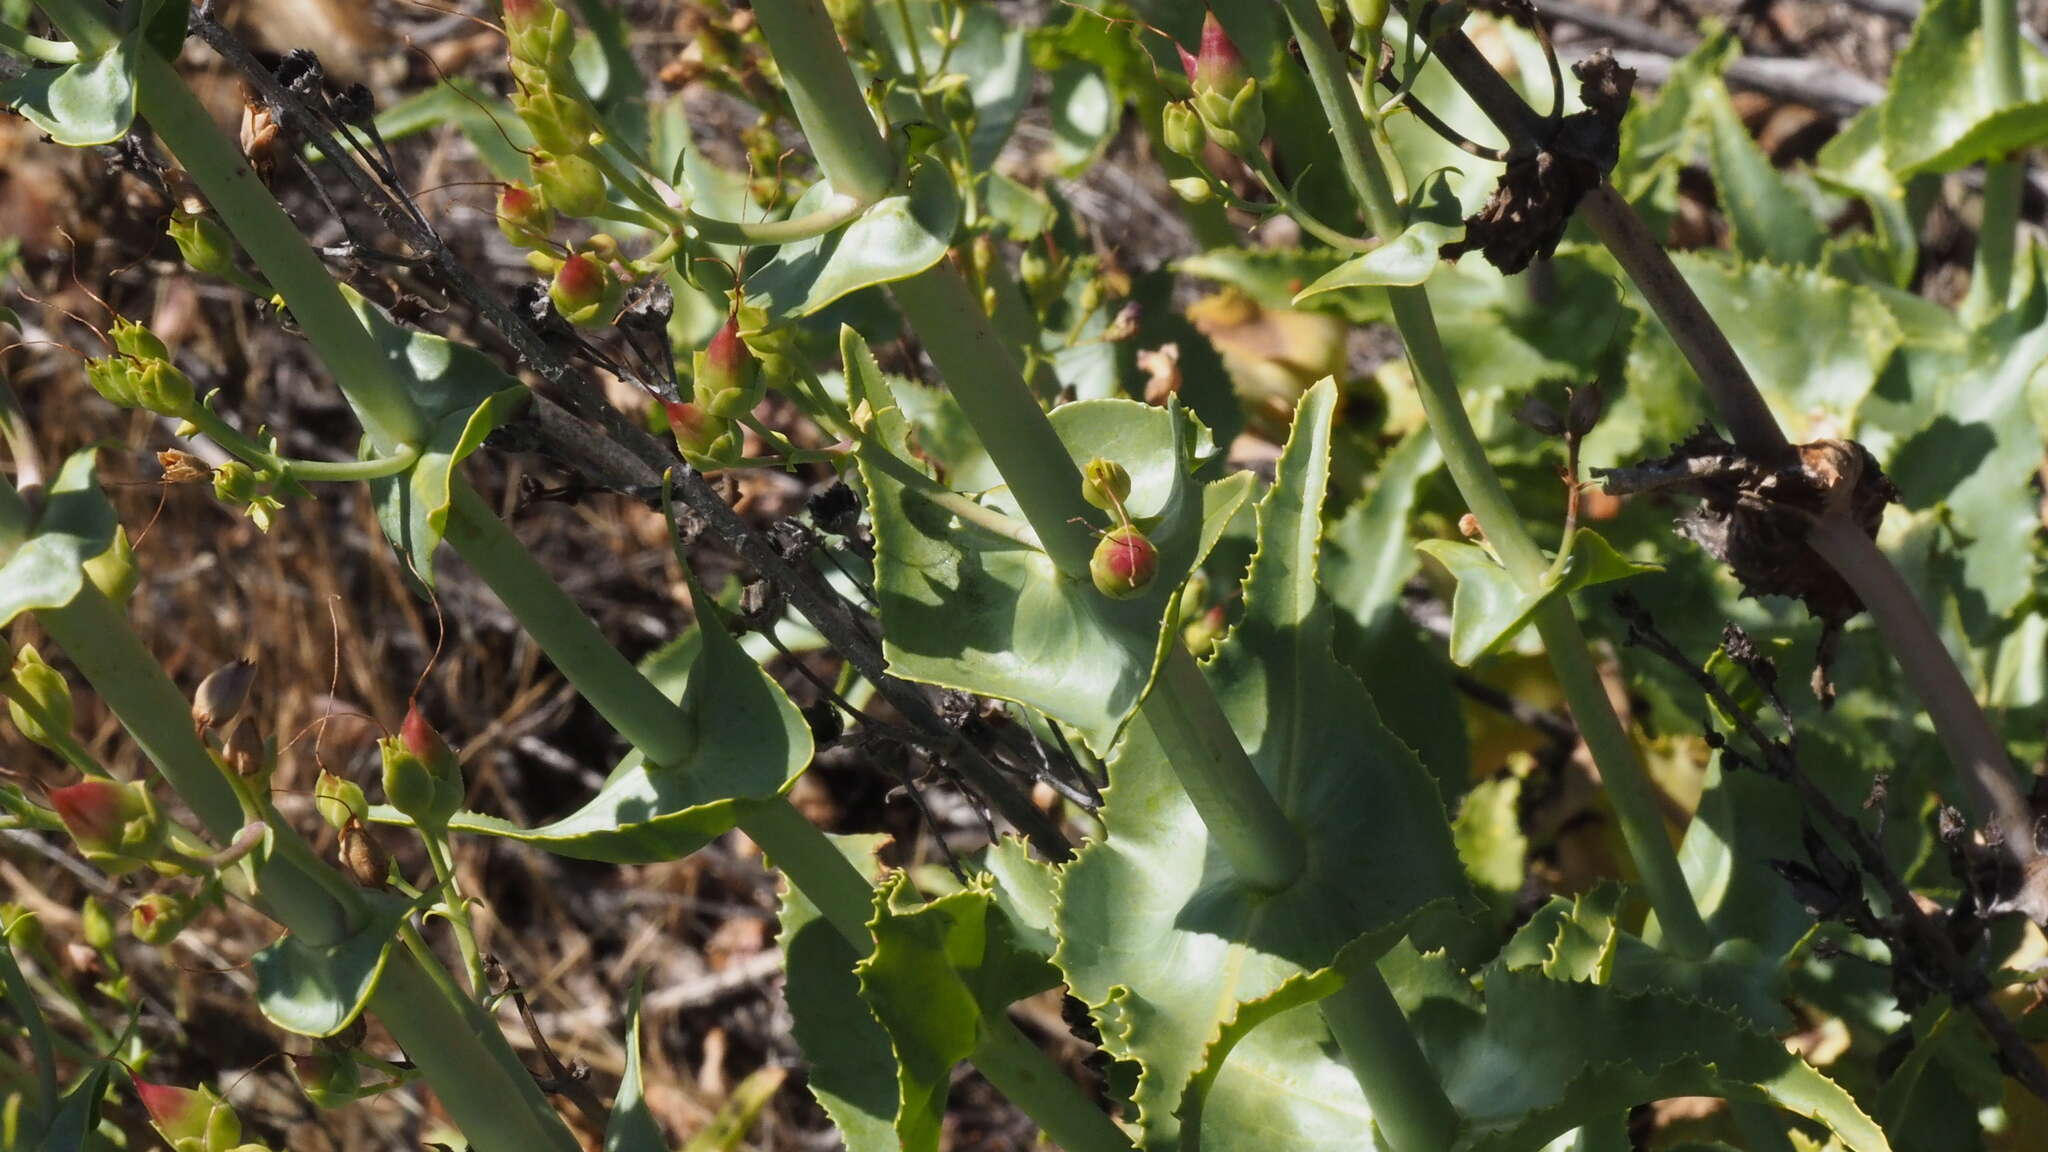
[1125, 559]
[1226, 108]
[727, 381]
[139, 373]
[192, 1120]
[422, 778]
[587, 291]
[115, 824]
[38, 701]
[549, 100]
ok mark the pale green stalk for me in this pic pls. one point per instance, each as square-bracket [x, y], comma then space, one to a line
[1991, 284]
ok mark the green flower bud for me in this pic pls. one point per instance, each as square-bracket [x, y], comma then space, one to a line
[95, 926]
[727, 380]
[338, 801]
[1105, 484]
[421, 776]
[524, 217]
[1193, 189]
[708, 443]
[113, 572]
[205, 245]
[159, 916]
[1180, 129]
[39, 700]
[115, 825]
[424, 741]
[163, 389]
[561, 123]
[1236, 121]
[586, 292]
[569, 183]
[189, 1120]
[113, 377]
[408, 786]
[329, 1076]
[132, 339]
[537, 32]
[1124, 563]
[1203, 632]
[235, 483]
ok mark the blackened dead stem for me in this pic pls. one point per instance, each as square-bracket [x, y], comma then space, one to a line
[1922, 942]
[624, 457]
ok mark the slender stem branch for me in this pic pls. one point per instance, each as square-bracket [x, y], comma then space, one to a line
[1991, 285]
[457, 909]
[375, 468]
[18, 41]
[960, 505]
[1294, 208]
[839, 210]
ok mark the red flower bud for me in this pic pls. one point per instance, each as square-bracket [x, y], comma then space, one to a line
[1219, 66]
[91, 810]
[523, 217]
[423, 741]
[1124, 563]
[585, 292]
[728, 379]
[184, 1114]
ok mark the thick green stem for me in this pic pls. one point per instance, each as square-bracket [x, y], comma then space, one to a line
[18, 41]
[632, 705]
[1184, 717]
[992, 392]
[827, 98]
[1614, 753]
[1408, 1105]
[1991, 284]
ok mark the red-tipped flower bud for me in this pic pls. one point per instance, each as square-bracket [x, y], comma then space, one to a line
[185, 1118]
[1219, 65]
[1226, 94]
[524, 217]
[421, 775]
[727, 380]
[1124, 563]
[160, 916]
[586, 292]
[117, 826]
[707, 442]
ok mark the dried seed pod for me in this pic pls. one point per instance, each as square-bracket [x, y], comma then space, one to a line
[222, 694]
[244, 753]
[362, 857]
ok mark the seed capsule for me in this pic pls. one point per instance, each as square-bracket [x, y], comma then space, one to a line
[363, 857]
[222, 694]
[1124, 563]
[1105, 484]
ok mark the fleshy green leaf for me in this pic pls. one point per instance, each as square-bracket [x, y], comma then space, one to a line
[46, 568]
[940, 972]
[1273, 276]
[78, 1112]
[970, 609]
[1939, 115]
[894, 239]
[1853, 163]
[1769, 218]
[1156, 933]
[81, 104]
[1489, 607]
[318, 991]
[632, 1127]
[1408, 258]
[750, 743]
[463, 396]
[1367, 559]
[1085, 116]
[1814, 344]
[850, 1063]
[1550, 1055]
[1297, 991]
